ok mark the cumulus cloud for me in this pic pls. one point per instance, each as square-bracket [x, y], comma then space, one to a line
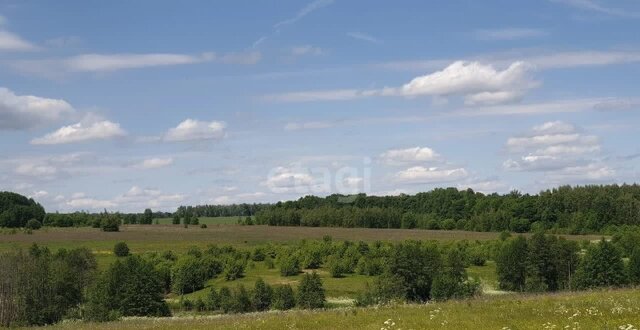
[36, 170]
[409, 155]
[28, 111]
[420, 174]
[551, 146]
[153, 163]
[10, 42]
[81, 132]
[476, 82]
[195, 130]
[90, 204]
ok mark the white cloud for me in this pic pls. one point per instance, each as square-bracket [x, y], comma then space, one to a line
[36, 170]
[153, 163]
[486, 186]
[90, 204]
[307, 125]
[409, 155]
[364, 37]
[420, 174]
[100, 63]
[239, 198]
[12, 42]
[509, 33]
[590, 5]
[306, 50]
[39, 194]
[551, 146]
[28, 111]
[480, 82]
[195, 130]
[81, 132]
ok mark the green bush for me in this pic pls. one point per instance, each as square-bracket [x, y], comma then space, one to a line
[283, 297]
[33, 224]
[289, 266]
[121, 249]
[261, 296]
[311, 292]
[187, 275]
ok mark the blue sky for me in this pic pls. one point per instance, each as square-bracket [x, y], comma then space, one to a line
[126, 105]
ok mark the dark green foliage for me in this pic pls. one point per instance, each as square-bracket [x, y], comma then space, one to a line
[203, 226]
[452, 281]
[283, 297]
[175, 219]
[109, 221]
[129, 287]
[261, 296]
[33, 224]
[225, 299]
[121, 249]
[311, 292]
[601, 266]
[511, 264]
[241, 300]
[564, 209]
[258, 254]
[212, 301]
[634, 267]
[416, 264]
[16, 210]
[187, 275]
[386, 288]
[147, 217]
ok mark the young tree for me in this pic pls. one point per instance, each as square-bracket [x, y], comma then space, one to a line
[452, 281]
[129, 287]
[634, 267]
[262, 296]
[225, 299]
[601, 266]
[147, 217]
[176, 218]
[289, 265]
[511, 264]
[311, 292]
[283, 297]
[187, 275]
[415, 264]
[241, 300]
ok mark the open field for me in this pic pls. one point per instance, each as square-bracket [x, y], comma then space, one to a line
[142, 238]
[206, 220]
[617, 309]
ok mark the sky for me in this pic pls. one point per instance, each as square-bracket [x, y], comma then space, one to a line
[124, 105]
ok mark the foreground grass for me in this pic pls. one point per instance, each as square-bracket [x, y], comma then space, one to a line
[616, 309]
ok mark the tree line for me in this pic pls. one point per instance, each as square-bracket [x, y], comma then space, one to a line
[17, 210]
[566, 209]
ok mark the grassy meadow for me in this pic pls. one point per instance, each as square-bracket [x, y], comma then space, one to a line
[607, 309]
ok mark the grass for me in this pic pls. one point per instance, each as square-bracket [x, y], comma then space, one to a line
[608, 309]
[205, 220]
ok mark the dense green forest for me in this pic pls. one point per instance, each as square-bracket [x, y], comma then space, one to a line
[230, 210]
[16, 210]
[566, 209]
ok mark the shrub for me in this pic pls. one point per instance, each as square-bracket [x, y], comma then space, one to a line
[241, 300]
[33, 224]
[386, 288]
[289, 266]
[283, 297]
[203, 226]
[212, 301]
[258, 254]
[511, 264]
[234, 269]
[311, 292]
[225, 299]
[601, 266]
[109, 222]
[449, 224]
[336, 269]
[187, 275]
[129, 287]
[121, 249]
[262, 296]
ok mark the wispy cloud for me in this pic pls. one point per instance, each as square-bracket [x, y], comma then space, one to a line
[364, 37]
[508, 33]
[10, 42]
[99, 63]
[306, 10]
[590, 5]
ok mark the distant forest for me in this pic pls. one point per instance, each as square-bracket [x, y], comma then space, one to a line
[566, 209]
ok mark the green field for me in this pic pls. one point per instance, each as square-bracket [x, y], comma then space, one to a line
[617, 309]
